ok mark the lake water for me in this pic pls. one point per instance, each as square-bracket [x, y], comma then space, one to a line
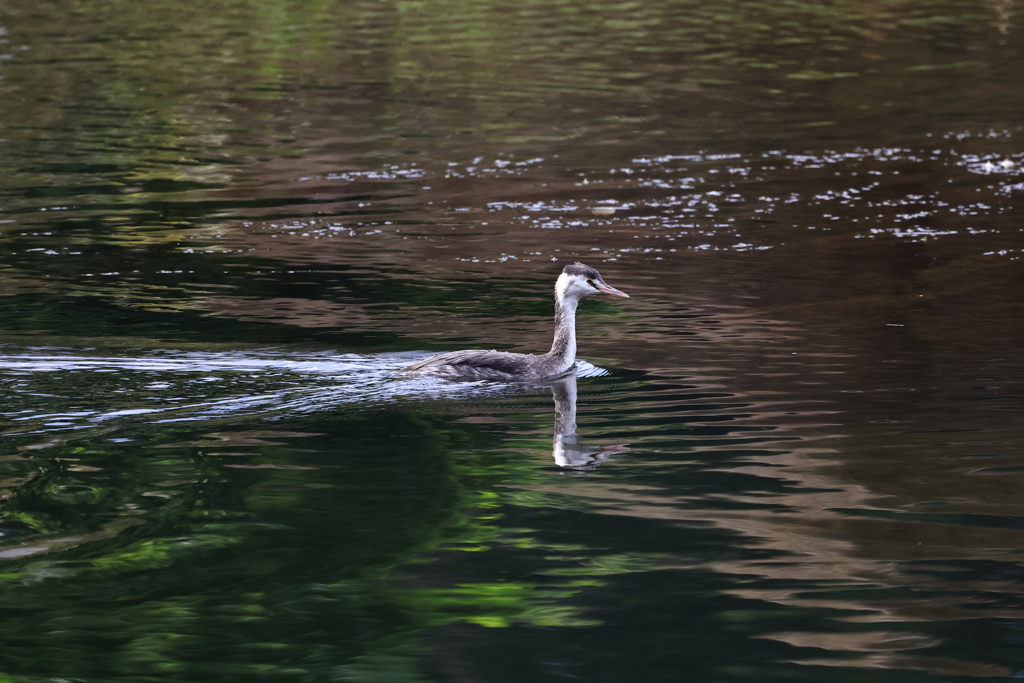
[796, 453]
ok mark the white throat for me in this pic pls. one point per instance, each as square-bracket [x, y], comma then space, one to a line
[563, 348]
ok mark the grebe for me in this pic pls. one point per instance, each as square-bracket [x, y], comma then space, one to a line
[575, 282]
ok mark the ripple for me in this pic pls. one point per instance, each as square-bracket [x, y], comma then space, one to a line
[192, 386]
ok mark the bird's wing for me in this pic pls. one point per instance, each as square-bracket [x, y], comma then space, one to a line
[510, 363]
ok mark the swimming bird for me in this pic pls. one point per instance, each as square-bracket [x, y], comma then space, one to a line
[576, 281]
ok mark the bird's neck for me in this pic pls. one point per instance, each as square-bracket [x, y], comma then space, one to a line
[563, 348]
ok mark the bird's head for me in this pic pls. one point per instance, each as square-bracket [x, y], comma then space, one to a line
[578, 280]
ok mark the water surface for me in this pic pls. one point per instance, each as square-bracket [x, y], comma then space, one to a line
[794, 454]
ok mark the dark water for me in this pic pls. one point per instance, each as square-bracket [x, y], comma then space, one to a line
[795, 454]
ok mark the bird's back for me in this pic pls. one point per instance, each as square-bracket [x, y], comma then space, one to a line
[472, 364]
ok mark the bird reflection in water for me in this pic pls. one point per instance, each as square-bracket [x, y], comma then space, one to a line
[566, 447]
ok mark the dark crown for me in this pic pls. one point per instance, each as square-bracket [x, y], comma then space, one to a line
[581, 269]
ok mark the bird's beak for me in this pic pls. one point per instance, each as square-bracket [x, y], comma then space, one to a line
[605, 289]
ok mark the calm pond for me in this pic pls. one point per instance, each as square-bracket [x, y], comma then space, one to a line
[796, 453]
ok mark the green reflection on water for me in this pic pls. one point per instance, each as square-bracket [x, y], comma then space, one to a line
[171, 552]
[164, 561]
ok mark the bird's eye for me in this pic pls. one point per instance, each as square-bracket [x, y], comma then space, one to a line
[591, 283]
